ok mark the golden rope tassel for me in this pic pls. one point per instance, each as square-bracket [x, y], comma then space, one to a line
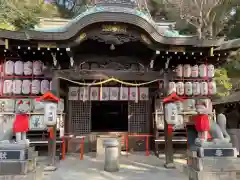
[211, 51]
[136, 99]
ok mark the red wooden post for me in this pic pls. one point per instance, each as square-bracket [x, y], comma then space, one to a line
[82, 148]
[147, 145]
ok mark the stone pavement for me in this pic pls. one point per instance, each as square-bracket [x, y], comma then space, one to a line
[133, 167]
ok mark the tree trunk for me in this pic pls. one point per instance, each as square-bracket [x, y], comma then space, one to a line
[210, 29]
[199, 32]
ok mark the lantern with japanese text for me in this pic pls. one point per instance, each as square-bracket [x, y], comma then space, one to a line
[202, 71]
[204, 88]
[36, 86]
[37, 68]
[28, 68]
[18, 68]
[210, 71]
[196, 88]
[195, 71]
[179, 71]
[188, 88]
[45, 86]
[187, 70]
[180, 88]
[9, 67]
[26, 86]
[17, 86]
[212, 88]
[171, 87]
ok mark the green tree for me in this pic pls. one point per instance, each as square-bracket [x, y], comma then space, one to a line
[208, 17]
[232, 28]
[25, 14]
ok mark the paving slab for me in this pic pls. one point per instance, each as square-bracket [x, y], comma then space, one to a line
[132, 167]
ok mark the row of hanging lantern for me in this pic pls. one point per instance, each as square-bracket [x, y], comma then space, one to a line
[20, 68]
[26, 86]
[195, 71]
[193, 88]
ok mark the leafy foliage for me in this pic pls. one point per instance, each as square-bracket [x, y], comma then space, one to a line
[25, 14]
[208, 17]
[223, 82]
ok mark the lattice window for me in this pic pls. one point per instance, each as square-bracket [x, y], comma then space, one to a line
[80, 117]
[139, 117]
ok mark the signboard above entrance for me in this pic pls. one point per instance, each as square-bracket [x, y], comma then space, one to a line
[108, 93]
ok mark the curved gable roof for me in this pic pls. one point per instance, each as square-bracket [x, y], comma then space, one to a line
[107, 14]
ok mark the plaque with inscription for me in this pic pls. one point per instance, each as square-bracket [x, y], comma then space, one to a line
[10, 155]
[216, 152]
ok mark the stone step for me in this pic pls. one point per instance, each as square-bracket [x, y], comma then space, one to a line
[13, 167]
[215, 164]
[202, 175]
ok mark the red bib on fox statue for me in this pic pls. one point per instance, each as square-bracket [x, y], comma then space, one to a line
[201, 120]
[21, 122]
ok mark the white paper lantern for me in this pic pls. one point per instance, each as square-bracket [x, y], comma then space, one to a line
[37, 68]
[180, 88]
[9, 68]
[202, 71]
[212, 88]
[179, 71]
[28, 68]
[210, 71]
[204, 88]
[17, 86]
[44, 86]
[188, 88]
[18, 68]
[196, 88]
[26, 86]
[7, 87]
[195, 71]
[187, 70]
[36, 86]
[172, 87]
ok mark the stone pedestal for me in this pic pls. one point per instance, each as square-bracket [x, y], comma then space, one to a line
[17, 161]
[100, 144]
[213, 164]
[111, 163]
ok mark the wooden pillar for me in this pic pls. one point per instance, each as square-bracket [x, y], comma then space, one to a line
[56, 89]
[167, 128]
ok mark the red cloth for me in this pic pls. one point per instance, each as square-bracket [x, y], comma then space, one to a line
[201, 122]
[21, 123]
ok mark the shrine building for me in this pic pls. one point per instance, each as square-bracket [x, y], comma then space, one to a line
[111, 66]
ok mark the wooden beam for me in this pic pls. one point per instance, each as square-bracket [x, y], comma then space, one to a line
[106, 74]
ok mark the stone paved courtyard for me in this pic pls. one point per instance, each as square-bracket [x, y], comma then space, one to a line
[133, 167]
